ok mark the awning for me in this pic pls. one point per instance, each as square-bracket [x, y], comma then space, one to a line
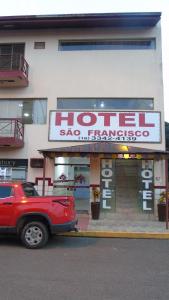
[105, 148]
[141, 20]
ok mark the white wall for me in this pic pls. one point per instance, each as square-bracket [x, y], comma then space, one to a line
[53, 73]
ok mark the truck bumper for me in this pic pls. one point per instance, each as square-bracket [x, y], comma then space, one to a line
[66, 227]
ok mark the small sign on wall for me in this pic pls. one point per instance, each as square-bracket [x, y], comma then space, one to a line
[13, 163]
[36, 162]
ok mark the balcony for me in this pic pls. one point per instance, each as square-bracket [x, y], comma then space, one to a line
[13, 71]
[11, 133]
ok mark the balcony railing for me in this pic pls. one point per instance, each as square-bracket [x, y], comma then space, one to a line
[11, 132]
[13, 70]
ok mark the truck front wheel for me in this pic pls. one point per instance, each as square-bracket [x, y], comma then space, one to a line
[34, 235]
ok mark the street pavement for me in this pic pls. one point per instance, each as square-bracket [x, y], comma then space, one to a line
[79, 268]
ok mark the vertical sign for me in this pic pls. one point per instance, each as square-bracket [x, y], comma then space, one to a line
[107, 185]
[147, 195]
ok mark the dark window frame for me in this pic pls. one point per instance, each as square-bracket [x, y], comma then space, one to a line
[11, 54]
[104, 107]
[114, 44]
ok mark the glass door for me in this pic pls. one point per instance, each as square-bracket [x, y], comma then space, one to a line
[72, 178]
[81, 190]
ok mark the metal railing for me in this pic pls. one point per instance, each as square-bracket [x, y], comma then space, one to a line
[14, 62]
[12, 128]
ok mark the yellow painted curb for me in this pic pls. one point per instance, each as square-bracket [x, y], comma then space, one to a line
[129, 235]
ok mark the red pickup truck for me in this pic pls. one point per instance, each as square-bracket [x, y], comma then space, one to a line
[32, 217]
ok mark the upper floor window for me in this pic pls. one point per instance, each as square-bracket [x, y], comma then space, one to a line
[118, 44]
[106, 103]
[31, 111]
[10, 55]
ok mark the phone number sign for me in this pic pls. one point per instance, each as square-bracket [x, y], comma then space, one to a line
[105, 126]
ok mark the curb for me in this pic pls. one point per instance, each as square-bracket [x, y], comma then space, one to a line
[111, 234]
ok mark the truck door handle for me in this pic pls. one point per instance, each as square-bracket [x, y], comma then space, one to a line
[7, 203]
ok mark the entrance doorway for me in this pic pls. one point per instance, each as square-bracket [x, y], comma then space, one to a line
[127, 186]
[72, 178]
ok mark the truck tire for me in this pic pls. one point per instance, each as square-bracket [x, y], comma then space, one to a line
[34, 235]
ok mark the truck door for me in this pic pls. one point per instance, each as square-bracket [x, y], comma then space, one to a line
[6, 204]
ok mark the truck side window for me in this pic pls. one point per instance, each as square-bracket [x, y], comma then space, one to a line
[6, 191]
[29, 191]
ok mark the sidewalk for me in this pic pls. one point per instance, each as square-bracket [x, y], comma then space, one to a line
[106, 227]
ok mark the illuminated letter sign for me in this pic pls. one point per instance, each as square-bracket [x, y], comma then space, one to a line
[107, 185]
[147, 185]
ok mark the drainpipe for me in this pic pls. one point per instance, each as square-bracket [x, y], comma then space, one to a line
[166, 176]
[44, 172]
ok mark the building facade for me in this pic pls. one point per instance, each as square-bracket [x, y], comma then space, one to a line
[81, 108]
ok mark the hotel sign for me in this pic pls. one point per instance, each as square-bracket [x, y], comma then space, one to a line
[105, 126]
